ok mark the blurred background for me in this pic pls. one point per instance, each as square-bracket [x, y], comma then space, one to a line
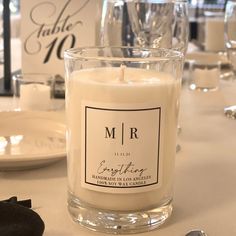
[205, 18]
[198, 11]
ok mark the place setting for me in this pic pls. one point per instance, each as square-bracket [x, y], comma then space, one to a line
[33, 129]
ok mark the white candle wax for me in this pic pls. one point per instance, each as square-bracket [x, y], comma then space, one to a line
[206, 78]
[139, 89]
[35, 96]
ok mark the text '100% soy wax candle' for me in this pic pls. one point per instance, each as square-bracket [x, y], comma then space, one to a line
[122, 110]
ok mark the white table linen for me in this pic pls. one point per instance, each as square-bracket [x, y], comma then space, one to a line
[205, 185]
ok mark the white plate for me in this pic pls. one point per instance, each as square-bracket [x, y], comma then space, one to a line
[31, 139]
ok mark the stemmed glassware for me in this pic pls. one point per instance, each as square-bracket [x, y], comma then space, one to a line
[156, 24]
[230, 43]
[160, 23]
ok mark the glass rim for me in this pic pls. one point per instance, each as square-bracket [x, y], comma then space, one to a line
[34, 77]
[79, 53]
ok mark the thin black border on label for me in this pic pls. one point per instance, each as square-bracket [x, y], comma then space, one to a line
[128, 110]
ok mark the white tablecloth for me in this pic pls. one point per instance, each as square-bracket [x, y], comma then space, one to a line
[205, 186]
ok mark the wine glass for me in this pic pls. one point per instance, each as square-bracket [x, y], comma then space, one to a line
[160, 23]
[230, 43]
[156, 24]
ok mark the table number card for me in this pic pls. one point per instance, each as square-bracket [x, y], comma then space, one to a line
[49, 27]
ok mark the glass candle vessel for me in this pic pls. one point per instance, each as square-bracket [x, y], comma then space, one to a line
[34, 91]
[204, 76]
[121, 109]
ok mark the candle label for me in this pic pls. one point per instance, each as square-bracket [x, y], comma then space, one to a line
[121, 148]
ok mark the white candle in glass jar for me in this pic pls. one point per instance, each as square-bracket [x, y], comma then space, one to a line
[35, 96]
[105, 105]
[206, 78]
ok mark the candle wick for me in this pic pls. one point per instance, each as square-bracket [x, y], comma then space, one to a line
[122, 72]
